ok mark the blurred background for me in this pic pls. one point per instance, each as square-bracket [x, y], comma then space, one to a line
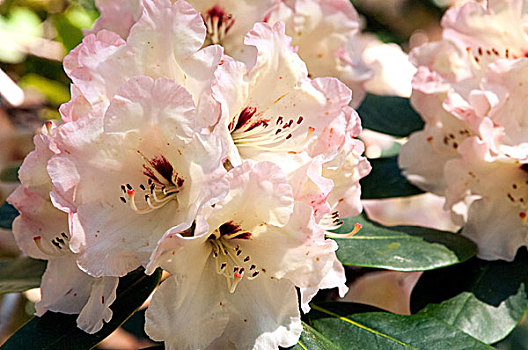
[35, 35]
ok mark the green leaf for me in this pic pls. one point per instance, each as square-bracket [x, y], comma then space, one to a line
[313, 340]
[54, 91]
[70, 35]
[20, 274]
[346, 325]
[8, 213]
[401, 248]
[386, 181]
[9, 174]
[486, 299]
[390, 115]
[59, 331]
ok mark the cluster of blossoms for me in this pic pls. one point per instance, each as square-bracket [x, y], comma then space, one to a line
[470, 89]
[226, 169]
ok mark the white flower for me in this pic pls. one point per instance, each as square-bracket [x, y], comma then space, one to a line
[273, 112]
[130, 176]
[41, 231]
[498, 188]
[234, 280]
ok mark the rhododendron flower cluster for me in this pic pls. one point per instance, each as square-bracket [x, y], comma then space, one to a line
[470, 89]
[226, 169]
[325, 33]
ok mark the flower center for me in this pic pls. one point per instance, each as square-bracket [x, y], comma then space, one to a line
[251, 131]
[218, 24]
[162, 186]
[231, 261]
[58, 246]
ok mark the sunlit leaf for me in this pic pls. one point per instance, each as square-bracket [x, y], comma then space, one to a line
[350, 326]
[313, 340]
[401, 248]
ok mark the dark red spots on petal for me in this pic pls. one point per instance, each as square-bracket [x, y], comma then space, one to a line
[150, 174]
[245, 117]
[524, 167]
[163, 167]
[180, 182]
[243, 235]
[228, 228]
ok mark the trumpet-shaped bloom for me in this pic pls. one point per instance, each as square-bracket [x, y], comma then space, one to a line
[469, 89]
[498, 186]
[130, 176]
[272, 111]
[41, 231]
[324, 31]
[243, 256]
[164, 42]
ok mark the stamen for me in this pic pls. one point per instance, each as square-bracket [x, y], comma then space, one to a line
[267, 138]
[356, 229]
[57, 245]
[163, 183]
[229, 262]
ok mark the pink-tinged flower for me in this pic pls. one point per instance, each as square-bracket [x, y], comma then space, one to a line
[469, 89]
[391, 70]
[345, 170]
[164, 42]
[41, 231]
[228, 21]
[451, 88]
[117, 16]
[273, 112]
[504, 89]
[128, 177]
[245, 256]
[326, 33]
[497, 187]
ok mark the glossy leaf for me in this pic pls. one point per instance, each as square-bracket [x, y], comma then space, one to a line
[8, 213]
[59, 331]
[20, 274]
[386, 181]
[486, 299]
[401, 248]
[313, 340]
[350, 327]
[390, 115]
